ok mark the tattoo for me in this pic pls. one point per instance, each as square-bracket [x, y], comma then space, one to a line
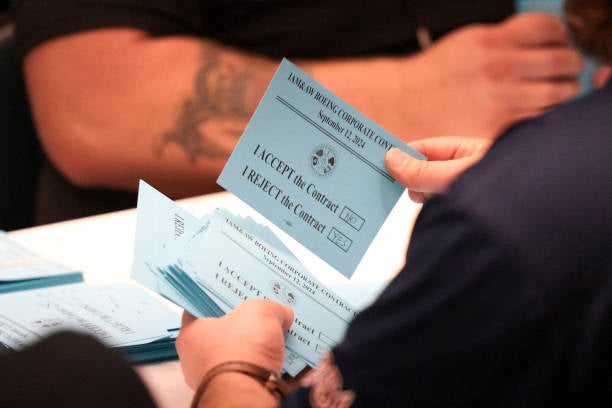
[219, 95]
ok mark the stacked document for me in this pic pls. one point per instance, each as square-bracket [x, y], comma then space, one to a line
[122, 316]
[22, 269]
[210, 265]
[314, 167]
[39, 297]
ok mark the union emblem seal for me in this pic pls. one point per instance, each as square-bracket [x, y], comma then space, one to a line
[323, 160]
[284, 295]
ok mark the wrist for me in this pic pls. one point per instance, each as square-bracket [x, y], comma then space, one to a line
[239, 383]
[232, 389]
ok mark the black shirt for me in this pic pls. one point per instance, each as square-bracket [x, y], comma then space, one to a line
[277, 28]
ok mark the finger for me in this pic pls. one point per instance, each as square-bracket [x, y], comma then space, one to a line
[534, 96]
[187, 318]
[416, 196]
[545, 63]
[426, 176]
[283, 313]
[269, 308]
[450, 147]
[532, 29]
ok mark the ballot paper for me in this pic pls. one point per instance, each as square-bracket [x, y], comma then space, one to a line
[235, 265]
[211, 264]
[314, 166]
[123, 316]
[21, 268]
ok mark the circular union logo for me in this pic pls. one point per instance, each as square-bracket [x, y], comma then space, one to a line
[282, 293]
[323, 160]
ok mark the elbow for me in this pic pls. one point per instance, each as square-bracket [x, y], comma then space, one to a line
[81, 166]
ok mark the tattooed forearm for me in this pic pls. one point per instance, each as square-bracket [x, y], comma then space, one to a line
[218, 109]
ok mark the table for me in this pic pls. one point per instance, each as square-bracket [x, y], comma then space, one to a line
[102, 248]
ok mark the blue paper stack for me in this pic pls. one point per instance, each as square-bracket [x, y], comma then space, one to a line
[210, 265]
[22, 269]
[39, 297]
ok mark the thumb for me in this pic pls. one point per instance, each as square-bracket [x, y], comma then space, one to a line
[287, 320]
[425, 176]
[266, 308]
[284, 314]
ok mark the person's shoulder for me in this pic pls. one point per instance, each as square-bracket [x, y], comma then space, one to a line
[590, 113]
[544, 188]
[555, 161]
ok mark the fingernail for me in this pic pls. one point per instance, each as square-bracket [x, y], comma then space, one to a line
[396, 158]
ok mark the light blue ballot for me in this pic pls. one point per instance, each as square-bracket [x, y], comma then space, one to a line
[161, 227]
[314, 166]
[235, 265]
[122, 316]
[215, 263]
[22, 269]
[164, 231]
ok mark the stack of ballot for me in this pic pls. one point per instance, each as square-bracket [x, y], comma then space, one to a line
[22, 269]
[40, 297]
[123, 316]
[314, 167]
[210, 265]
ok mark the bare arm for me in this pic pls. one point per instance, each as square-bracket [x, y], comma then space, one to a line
[476, 81]
[116, 105]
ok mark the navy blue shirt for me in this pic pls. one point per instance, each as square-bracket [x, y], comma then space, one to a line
[506, 296]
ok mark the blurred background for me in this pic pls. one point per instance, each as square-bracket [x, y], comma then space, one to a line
[20, 153]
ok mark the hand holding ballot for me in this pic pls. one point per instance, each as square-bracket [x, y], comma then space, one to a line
[312, 165]
[253, 331]
[448, 158]
[211, 265]
[322, 172]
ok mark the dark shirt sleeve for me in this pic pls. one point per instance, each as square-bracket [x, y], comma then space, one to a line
[280, 28]
[70, 370]
[460, 317]
[40, 20]
[506, 296]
